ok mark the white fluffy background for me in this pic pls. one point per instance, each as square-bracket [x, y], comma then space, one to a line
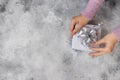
[35, 43]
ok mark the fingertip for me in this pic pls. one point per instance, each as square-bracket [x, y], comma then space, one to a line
[74, 31]
[92, 48]
[92, 55]
[71, 36]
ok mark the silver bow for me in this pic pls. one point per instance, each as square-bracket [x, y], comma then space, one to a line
[89, 34]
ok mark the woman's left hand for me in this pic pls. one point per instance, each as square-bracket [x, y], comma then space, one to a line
[109, 40]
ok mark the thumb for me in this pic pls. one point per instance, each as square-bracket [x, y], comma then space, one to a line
[77, 28]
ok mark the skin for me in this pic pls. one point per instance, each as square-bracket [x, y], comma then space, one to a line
[109, 40]
[80, 21]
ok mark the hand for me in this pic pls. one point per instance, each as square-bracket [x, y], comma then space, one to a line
[80, 21]
[110, 40]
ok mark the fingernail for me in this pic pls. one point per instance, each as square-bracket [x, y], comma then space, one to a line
[91, 55]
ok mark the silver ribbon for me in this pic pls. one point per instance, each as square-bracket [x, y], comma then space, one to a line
[89, 34]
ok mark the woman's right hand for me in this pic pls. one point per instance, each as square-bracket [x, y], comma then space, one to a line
[80, 21]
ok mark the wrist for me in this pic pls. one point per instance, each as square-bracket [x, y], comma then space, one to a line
[113, 37]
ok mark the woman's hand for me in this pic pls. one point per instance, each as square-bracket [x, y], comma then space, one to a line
[110, 40]
[80, 21]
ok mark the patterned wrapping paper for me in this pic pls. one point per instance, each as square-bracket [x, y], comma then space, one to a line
[85, 37]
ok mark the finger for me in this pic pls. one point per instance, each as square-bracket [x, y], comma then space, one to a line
[96, 54]
[72, 25]
[105, 49]
[77, 28]
[98, 49]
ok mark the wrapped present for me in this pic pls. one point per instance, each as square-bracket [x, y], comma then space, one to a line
[83, 39]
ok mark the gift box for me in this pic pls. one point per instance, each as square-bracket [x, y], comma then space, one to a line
[84, 38]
